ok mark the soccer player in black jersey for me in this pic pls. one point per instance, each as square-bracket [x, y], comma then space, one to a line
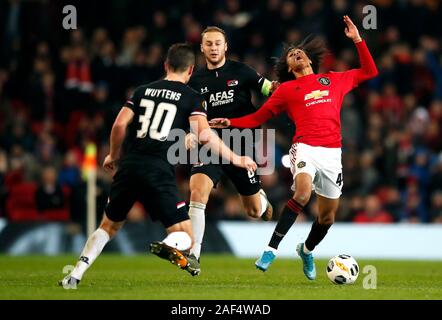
[226, 86]
[144, 173]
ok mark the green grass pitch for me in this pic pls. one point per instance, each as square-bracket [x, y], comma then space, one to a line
[222, 277]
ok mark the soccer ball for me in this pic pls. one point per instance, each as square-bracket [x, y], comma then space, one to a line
[342, 269]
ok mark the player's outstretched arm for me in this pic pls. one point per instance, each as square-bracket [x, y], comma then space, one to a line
[252, 120]
[200, 126]
[368, 68]
[117, 135]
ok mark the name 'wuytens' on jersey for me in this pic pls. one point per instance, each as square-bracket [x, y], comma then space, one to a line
[163, 93]
[159, 107]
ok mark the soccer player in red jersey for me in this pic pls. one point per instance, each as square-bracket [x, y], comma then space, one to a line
[313, 102]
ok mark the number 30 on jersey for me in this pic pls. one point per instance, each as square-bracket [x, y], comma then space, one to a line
[150, 123]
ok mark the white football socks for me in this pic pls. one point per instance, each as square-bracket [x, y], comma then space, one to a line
[198, 218]
[91, 251]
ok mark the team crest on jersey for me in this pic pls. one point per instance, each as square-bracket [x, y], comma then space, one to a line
[204, 90]
[232, 83]
[324, 81]
[301, 164]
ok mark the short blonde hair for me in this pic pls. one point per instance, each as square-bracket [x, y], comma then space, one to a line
[214, 29]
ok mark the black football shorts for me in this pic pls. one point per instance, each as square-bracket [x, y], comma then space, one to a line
[153, 184]
[245, 182]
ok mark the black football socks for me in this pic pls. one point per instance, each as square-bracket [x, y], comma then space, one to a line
[317, 233]
[285, 222]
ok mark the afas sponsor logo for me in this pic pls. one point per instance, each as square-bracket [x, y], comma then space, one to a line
[222, 97]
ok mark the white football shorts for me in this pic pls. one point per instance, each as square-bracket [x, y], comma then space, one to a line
[324, 165]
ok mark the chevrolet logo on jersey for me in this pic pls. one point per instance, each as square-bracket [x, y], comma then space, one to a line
[316, 94]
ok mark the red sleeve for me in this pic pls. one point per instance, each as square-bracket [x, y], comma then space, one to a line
[273, 106]
[352, 78]
[368, 68]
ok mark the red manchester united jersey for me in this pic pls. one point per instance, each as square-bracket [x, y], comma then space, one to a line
[313, 103]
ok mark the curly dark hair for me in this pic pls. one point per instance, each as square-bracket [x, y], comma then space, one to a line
[313, 47]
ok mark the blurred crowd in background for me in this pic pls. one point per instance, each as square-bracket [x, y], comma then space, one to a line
[60, 89]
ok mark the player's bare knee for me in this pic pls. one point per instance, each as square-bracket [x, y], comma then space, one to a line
[110, 228]
[327, 219]
[199, 195]
[302, 197]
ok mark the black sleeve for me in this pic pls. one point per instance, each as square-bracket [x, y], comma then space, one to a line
[134, 100]
[199, 106]
[253, 78]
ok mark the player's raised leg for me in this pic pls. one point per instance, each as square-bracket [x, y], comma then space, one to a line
[92, 249]
[258, 206]
[253, 197]
[294, 207]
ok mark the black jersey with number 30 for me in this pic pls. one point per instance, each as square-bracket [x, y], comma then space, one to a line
[159, 107]
[227, 89]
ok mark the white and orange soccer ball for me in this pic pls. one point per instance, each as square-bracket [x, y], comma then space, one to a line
[342, 269]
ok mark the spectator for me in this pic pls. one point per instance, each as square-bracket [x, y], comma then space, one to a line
[436, 207]
[373, 212]
[392, 202]
[49, 194]
[414, 209]
[3, 191]
[369, 174]
[70, 172]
